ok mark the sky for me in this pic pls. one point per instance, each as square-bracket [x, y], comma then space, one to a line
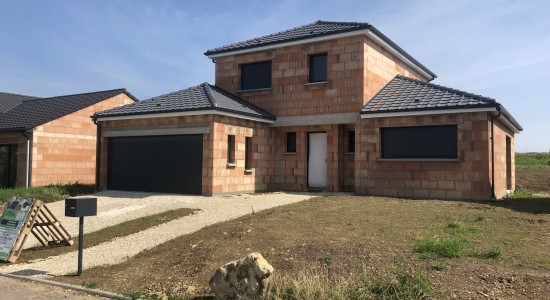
[495, 48]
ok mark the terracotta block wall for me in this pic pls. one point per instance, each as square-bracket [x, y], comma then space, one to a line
[504, 179]
[64, 150]
[466, 178]
[21, 141]
[217, 177]
[357, 69]
[290, 169]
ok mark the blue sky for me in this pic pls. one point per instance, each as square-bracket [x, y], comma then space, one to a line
[496, 48]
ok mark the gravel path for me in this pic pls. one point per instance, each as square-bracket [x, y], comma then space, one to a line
[213, 210]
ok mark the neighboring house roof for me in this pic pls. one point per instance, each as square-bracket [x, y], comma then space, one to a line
[203, 97]
[404, 94]
[312, 31]
[34, 112]
[9, 101]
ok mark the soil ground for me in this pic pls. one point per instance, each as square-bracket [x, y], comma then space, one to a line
[535, 179]
[348, 234]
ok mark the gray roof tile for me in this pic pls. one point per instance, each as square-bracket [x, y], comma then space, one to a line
[196, 98]
[313, 30]
[9, 101]
[34, 112]
[406, 94]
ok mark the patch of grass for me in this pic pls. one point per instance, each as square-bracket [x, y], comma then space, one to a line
[533, 159]
[432, 248]
[91, 285]
[49, 193]
[107, 234]
[394, 285]
[522, 194]
[490, 254]
[480, 218]
[327, 259]
[438, 266]
[457, 228]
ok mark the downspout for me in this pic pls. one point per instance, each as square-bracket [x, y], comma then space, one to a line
[493, 195]
[28, 158]
[97, 155]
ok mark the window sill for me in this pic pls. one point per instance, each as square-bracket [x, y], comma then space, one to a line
[418, 159]
[255, 90]
[316, 83]
[350, 153]
[289, 153]
[248, 171]
[231, 164]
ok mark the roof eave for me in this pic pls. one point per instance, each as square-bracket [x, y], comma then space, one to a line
[371, 32]
[427, 111]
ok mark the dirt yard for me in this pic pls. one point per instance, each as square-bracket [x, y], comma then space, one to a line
[535, 179]
[506, 247]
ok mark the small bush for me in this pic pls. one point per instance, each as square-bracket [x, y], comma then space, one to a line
[432, 248]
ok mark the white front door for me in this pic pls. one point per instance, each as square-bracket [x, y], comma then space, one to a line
[317, 160]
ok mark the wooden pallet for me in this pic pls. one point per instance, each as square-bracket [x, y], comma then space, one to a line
[44, 226]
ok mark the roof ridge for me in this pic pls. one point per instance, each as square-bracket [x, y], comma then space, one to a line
[14, 94]
[80, 94]
[207, 90]
[448, 89]
[342, 23]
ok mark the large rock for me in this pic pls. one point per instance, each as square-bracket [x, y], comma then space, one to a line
[246, 278]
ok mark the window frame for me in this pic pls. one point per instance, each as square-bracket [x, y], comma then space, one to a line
[313, 68]
[248, 153]
[245, 68]
[351, 141]
[290, 146]
[420, 145]
[231, 150]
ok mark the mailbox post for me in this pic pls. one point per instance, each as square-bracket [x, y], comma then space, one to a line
[80, 207]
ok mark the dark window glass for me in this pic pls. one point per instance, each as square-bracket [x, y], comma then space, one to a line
[248, 153]
[291, 142]
[351, 141]
[231, 149]
[256, 75]
[419, 142]
[318, 67]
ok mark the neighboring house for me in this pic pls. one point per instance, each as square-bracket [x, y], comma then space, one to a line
[326, 106]
[51, 140]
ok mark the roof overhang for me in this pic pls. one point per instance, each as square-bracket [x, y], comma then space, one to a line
[505, 117]
[181, 113]
[367, 32]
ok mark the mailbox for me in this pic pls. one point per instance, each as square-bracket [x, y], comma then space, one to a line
[80, 207]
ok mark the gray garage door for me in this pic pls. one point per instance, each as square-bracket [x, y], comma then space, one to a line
[167, 164]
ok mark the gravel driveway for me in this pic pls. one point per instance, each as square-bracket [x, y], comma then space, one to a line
[115, 207]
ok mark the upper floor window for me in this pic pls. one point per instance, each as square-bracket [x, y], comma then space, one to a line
[318, 67]
[420, 142]
[256, 75]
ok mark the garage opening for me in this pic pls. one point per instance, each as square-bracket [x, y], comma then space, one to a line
[166, 164]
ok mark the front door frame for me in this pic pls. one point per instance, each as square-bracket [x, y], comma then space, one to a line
[307, 158]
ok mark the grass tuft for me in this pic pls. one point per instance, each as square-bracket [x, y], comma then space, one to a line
[490, 254]
[49, 193]
[432, 248]
[480, 218]
[522, 194]
[90, 285]
[457, 228]
[315, 285]
[438, 266]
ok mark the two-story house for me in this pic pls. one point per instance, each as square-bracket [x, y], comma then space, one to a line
[331, 106]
